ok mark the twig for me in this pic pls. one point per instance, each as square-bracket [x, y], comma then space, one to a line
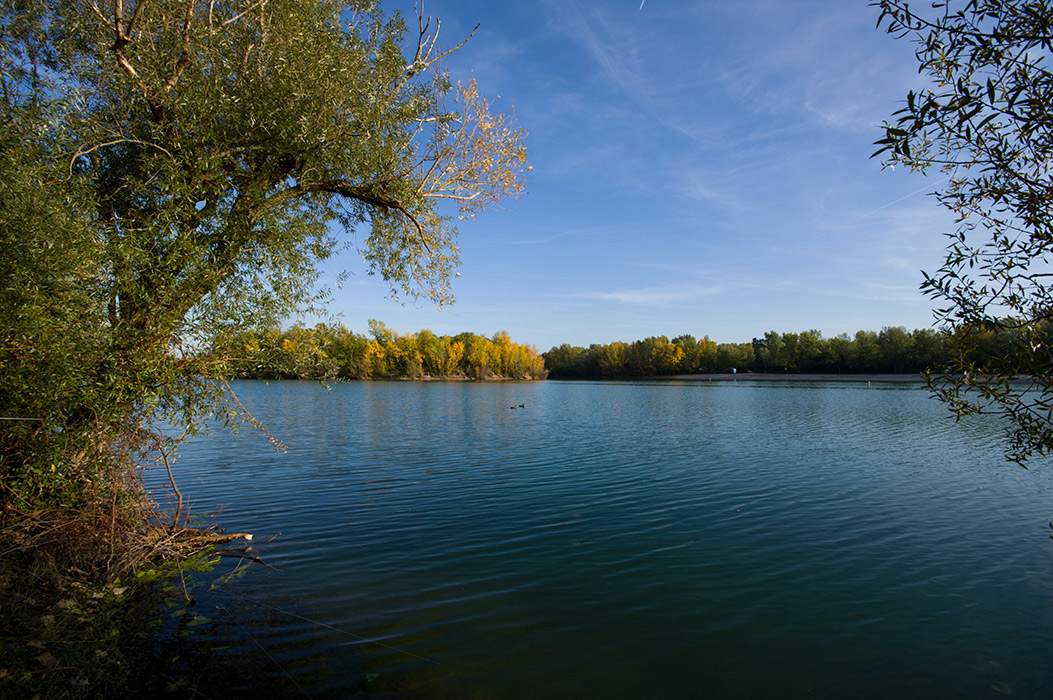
[278, 445]
[245, 555]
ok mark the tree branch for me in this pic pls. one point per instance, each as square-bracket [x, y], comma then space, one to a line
[241, 14]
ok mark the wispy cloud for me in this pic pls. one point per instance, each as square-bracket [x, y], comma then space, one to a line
[889, 292]
[611, 46]
[657, 296]
[637, 62]
[565, 233]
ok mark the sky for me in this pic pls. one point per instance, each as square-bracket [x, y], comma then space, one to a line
[697, 167]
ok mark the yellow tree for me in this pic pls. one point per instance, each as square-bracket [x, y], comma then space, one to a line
[502, 352]
[666, 356]
[452, 356]
[707, 355]
[376, 362]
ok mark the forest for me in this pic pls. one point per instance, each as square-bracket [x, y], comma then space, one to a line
[332, 352]
[893, 349]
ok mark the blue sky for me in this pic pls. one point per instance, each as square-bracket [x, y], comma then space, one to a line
[698, 167]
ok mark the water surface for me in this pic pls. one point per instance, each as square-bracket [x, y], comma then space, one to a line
[624, 540]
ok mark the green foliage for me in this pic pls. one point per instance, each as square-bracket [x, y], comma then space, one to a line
[893, 350]
[987, 125]
[333, 352]
[173, 172]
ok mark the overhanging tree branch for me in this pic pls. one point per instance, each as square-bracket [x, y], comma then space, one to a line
[987, 121]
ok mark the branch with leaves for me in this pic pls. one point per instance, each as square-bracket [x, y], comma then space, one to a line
[986, 122]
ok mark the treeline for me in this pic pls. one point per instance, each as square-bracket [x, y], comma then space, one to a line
[891, 350]
[334, 352]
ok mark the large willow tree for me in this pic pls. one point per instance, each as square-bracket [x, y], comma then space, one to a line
[986, 124]
[172, 172]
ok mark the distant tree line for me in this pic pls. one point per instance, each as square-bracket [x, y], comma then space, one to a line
[892, 350]
[334, 352]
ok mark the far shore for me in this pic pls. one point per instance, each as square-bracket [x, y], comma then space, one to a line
[794, 377]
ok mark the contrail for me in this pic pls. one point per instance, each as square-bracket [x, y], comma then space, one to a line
[641, 3]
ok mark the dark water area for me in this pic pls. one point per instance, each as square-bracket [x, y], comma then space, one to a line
[622, 540]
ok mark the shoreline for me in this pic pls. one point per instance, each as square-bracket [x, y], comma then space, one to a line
[797, 377]
[716, 377]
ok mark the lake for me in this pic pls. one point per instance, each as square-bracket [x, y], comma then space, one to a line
[621, 540]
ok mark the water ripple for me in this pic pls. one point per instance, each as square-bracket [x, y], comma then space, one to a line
[628, 540]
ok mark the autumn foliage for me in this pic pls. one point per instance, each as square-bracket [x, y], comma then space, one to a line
[334, 352]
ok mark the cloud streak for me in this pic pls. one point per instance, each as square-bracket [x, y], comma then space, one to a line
[657, 296]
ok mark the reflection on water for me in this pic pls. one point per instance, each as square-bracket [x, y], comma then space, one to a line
[624, 540]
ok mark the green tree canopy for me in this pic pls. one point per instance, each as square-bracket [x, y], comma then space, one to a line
[893, 350]
[174, 170]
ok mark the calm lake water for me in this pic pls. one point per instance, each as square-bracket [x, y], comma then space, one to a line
[622, 540]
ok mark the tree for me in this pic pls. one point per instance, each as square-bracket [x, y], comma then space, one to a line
[480, 357]
[812, 351]
[409, 361]
[564, 360]
[737, 356]
[987, 125]
[840, 350]
[928, 349]
[771, 352]
[172, 173]
[866, 354]
[430, 351]
[689, 353]
[612, 359]
[707, 354]
[502, 353]
[452, 356]
[666, 356]
[894, 345]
